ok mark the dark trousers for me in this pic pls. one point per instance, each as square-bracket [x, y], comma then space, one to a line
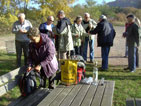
[132, 57]
[105, 54]
[44, 78]
[137, 57]
[21, 47]
[77, 50]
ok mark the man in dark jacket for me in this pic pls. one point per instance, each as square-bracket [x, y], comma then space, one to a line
[132, 34]
[42, 56]
[106, 34]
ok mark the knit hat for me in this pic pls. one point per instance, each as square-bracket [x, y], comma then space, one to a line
[130, 16]
[33, 32]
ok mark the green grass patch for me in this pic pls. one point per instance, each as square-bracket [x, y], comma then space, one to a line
[7, 62]
[127, 85]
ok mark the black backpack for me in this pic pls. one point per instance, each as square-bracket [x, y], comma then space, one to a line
[27, 83]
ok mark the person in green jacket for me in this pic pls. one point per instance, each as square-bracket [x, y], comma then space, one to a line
[78, 33]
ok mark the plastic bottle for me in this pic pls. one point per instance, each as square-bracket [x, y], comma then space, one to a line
[95, 76]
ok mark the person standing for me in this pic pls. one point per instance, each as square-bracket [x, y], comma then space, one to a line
[138, 22]
[20, 29]
[88, 24]
[64, 36]
[78, 33]
[42, 57]
[106, 34]
[47, 27]
[132, 34]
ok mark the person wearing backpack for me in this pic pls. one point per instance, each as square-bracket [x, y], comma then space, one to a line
[106, 35]
[64, 42]
[138, 22]
[42, 57]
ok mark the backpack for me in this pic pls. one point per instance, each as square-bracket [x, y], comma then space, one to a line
[80, 67]
[27, 83]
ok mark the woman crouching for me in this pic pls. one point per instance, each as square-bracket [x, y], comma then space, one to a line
[42, 57]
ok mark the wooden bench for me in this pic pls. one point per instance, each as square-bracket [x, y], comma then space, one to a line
[10, 80]
[81, 95]
[133, 102]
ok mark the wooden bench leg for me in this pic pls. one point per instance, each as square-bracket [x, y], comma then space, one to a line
[130, 102]
[138, 101]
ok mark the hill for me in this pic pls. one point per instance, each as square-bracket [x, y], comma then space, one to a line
[126, 3]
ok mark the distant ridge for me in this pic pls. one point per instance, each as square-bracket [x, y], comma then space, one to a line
[125, 3]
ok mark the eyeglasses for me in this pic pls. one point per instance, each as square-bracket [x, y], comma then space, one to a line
[51, 20]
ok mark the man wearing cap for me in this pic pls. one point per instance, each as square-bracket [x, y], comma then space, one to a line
[88, 25]
[64, 36]
[106, 34]
[42, 56]
[47, 27]
[20, 29]
[132, 34]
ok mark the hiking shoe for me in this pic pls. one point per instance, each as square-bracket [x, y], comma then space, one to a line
[126, 68]
[133, 71]
[91, 61]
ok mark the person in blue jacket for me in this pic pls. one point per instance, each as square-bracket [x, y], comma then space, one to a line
[46, 28]
[106, 34]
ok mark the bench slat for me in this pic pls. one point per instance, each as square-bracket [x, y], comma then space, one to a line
[11, 75]
[19, 102]
[138, 101]
[89, 97]
[81, 94]
[29, 98]
[48, 99]
[130, 102]
[98, 96]
[108, 95]
[61, 96]
[39, 98]
[70, 97]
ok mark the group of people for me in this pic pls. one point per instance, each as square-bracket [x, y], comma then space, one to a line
[40, 44]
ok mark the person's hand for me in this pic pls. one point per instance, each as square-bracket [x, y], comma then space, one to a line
[23, 31]
[51, 33]
[28, 69]
[77, 35]
[90, 26]
[38, 68]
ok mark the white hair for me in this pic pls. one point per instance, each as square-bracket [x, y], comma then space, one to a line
[50, 17]
[103, 17]
[21, 15]
[138, 22]
[87, 14]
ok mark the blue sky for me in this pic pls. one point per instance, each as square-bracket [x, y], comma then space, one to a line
[98, 1]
